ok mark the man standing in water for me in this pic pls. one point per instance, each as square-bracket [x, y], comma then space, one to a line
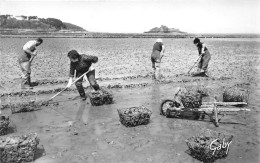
[204, 60]
[25, 61]
[82, 63]
[156, 56]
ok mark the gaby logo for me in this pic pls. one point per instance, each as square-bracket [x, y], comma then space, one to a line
[223, 146]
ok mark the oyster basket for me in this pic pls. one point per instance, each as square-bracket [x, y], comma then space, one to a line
[199, 89]
[191, 99]
[235, 94]
[101, 97]
[4, 124]
[134, 116]
[23, 107]
[18, 148]
[202, 147]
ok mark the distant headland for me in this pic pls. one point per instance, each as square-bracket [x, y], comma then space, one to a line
[35, 23]
[33, 26]
[165, 29]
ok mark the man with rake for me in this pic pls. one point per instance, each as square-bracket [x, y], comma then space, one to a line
[204, 60]
[82, 64]
[25, 60]
[156, 56]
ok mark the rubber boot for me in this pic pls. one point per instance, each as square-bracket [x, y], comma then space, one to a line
[153, 76]
[23, 81]
[29, 81]
[157, 74]
[205, 73]
[81, 92]
[24, 84]
[199, 72]
[96, 87]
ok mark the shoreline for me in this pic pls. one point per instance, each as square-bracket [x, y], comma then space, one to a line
[80, 34]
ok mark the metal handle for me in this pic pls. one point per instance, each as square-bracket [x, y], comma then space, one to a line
[216, 111]
[194, 64]
[67, 86]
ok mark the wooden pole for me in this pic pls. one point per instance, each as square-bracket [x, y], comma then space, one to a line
[215, 111]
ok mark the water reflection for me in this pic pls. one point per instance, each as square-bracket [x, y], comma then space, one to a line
[96, 117]
[82, 114]
[155, 123]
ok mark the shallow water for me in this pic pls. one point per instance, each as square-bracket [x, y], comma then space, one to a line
[75, 131]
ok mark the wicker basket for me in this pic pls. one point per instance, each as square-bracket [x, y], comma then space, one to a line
[202, 147]
[101, 97]
[23, 107]
[134, 116]
[235, 94]
[204, 91]
[191, 99]
[18, 148]
[4, 124]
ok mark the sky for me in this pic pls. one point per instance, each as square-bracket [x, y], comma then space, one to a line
[137, 16]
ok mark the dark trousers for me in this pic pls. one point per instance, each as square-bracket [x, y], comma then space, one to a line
[156, 64]
[92, 81]
[26, 72]
[204, 61]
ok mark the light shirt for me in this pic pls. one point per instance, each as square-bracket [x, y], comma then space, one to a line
[30, 45]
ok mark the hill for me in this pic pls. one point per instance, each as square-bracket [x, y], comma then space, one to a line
[33, 22]
[165, 29]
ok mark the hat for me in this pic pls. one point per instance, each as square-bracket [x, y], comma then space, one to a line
[159, 40]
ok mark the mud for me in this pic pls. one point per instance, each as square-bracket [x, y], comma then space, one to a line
[74, 131]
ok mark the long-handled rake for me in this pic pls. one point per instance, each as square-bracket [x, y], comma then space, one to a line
[67, 86]
[194, 64]
[188, 73]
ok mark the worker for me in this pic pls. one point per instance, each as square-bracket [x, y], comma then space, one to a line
[156, 56]
[25, 61]
[204, 60]
[82, 64]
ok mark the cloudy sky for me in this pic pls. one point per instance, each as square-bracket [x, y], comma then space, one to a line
[135, 16]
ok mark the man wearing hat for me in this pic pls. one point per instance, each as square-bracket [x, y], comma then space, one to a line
[156, 56]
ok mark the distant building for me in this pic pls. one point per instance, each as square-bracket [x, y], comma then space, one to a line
[36, 19]
[33, 18]
[21, 17]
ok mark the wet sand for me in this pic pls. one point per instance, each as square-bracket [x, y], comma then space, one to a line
[75, 131]
[72, 131]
